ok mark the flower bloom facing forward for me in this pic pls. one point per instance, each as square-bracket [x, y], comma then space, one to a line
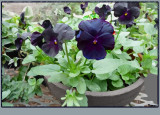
[20, 39]
[94, 38]
[126, 12]
[103, 11]
[53, 38]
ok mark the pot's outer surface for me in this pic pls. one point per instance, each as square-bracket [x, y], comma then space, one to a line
[119, 97]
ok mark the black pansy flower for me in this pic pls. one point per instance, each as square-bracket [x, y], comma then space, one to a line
[46, 24]
[53, 38]
[83, 7]
[94, 38]
[67, 10]
[20, 39]
[125, 13]
[157, 23]
[134, 4]
[103, 11]
[22, 18]
[36, 39]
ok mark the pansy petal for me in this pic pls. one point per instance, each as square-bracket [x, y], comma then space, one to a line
[133, 4]
[26, 35]
[91, 26]
[67, 10]
[64, 31]
[92, 51]
[46, 24]
[135, 11]
[22, 17]
[84, 36]
[103, 11]
[106, 28]
[119, 9]
[36, 38]
[49, 35]
[83, 6]
[18, 43]
[126, 19]
[50, 48]
[107, 40]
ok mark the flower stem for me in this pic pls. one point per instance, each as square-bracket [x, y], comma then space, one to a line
[67, 53]
[118, 32]
[85, 61]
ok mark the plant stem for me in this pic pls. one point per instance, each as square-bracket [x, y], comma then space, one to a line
[111, 19]
[67, 53]
[26, 72]
[118, 32]
[85, 61]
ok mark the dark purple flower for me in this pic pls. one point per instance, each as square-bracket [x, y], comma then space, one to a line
[46, 24]
[36, 39]
[67, 10]
[51, 46]
[157, 23]
[20, 39]
[22, 18]
[53, 38]
[83, 7]
[94, 38]
[125, 13]
[103, 11]
[134, 4]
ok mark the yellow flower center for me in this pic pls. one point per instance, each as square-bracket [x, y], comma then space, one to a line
[95, 42]
[126, 14]
[55, 41]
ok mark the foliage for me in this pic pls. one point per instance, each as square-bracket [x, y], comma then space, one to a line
[134, 55]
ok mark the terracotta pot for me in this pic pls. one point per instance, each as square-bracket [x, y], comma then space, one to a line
[119, 97]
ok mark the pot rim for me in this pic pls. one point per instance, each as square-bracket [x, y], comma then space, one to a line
[127, 89]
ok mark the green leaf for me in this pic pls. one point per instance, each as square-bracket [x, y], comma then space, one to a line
[103, 76]
[147, 63]
[85, 69]
[6, 104]
[149, 29]
[124, 55]
[74, 81]
[39, 81]
[28, 59]
[6, 41]
[125, 77]
[109, 65]
[102, 84]
[154, 70]
[5, 94]
[32, 81]
[63, 62]
[124, 69]
[114, 77]
[69, 102]
[74, 72]
[81, 87]
[118, 83]
[57, 77]
[84, 101]
[138, 49]
[92, 86]
[44, 70]
[28, 12]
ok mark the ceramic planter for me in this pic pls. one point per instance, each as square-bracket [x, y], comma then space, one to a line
[119, 97]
